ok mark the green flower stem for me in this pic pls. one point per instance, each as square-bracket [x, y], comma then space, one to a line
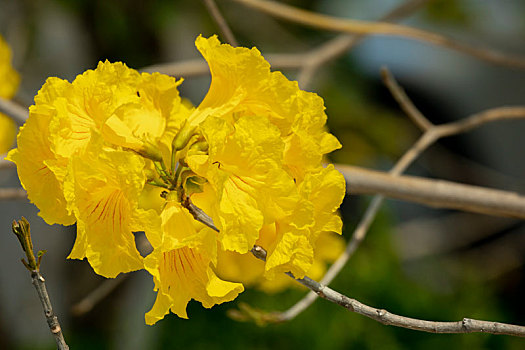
[161, 170]
[157, 184]
[22, 231]
[173, 161]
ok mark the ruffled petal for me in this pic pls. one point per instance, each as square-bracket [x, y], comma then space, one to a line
[34, 157]
[103, 188]
[184, 274]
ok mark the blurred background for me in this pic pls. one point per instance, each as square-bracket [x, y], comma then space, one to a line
[416, 261]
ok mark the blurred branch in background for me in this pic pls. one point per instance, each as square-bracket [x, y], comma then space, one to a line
[6, 164]
[336, 47]
[378, 28]
[221, 22]
[17, 112]
[12, 193]
[308, 62]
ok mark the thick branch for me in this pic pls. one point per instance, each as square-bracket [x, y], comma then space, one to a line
[377, 28]
[436, 193]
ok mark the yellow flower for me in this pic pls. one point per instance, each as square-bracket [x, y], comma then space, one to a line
[242, 84]
[119, 152]
[244, 167]
[76, 166]
[9, 81]
[182, 266]
[266, 141]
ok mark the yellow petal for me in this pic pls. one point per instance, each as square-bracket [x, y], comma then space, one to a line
[244, 169]
[184, 274]
[34, 156]
[103, 187]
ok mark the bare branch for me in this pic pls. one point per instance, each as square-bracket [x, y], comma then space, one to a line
[378, 28]
[467, 325]
[12, 109]
[479, 119]
[98, 294]
[436, 193]
[334, 48]
[406, 104]
[198, 66]
[12, 193]
[22, 230]
[221, 22]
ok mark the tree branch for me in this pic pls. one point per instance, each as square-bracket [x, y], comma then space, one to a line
[12, 193]
[22, 231]
[221, 22]
[436, 193]
[467, 325]
[334, 48]
[378, 28]
[12, 109]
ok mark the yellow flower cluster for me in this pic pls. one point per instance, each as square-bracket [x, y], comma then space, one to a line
[9, 81]
[119, 152]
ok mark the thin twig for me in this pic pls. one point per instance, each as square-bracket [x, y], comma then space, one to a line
[12, 109]
[12, 193]
[467, 325]
[378, 28]
[406, 104]
[22, 230]
[436, 193]
[94, 297]
[108, 285]
[343, 43]
[221, 22]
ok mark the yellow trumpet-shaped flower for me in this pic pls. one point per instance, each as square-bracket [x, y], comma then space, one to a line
[119, 152]
[9, 81]
[242, 84]
[182, 266]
